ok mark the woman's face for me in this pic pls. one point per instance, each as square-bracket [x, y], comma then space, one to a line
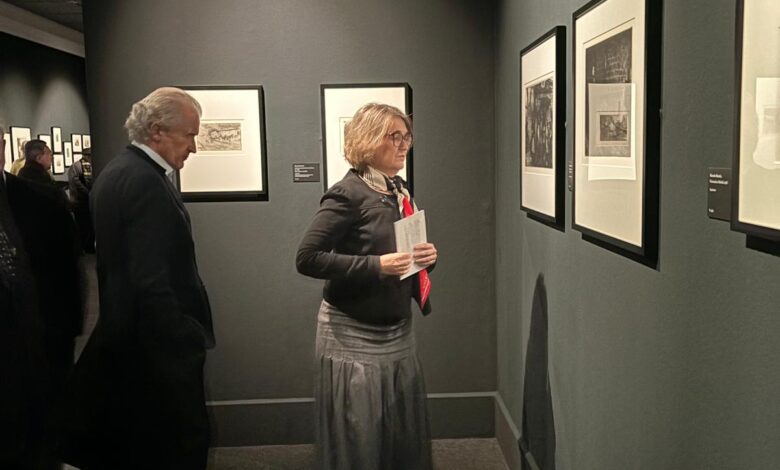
[390, 159]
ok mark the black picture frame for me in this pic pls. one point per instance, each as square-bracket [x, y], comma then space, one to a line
[325, 125]
[555, 156]
[764, 176]
[56, 139]
[58, 164]
[646, 137]
[75, 140]
[225, 195]
[19, 135]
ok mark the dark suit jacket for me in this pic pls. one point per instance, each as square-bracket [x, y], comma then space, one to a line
[22, 395]
[351, 230]
[138, 386]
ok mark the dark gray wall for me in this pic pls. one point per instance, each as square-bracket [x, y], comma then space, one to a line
[41, 87]
[674, 368]
[264, 311]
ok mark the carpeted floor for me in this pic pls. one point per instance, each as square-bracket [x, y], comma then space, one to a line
[448, 454]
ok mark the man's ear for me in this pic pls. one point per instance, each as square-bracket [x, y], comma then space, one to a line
[154, 132]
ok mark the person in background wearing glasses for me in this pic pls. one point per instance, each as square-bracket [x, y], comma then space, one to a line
[370, 392]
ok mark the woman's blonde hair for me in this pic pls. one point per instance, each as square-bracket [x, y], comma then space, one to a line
[365, 132]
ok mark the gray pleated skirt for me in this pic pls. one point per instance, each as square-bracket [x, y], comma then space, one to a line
[370, 393]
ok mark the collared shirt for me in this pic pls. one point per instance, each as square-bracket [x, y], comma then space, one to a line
[156, 158]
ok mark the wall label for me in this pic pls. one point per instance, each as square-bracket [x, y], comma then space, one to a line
[306, 172]
[719, 193]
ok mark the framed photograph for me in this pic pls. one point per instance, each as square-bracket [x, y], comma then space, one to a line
[47, 139]
[75, 139]
[68, 155]
[58, 164]
[230, 164]
[339, 103]
[56, 139]
[86, 141]
[756, 166]
[19, 137]
[617, 98]
[542, 127]
[8, 155]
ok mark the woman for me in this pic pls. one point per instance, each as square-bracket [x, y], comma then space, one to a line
[370, 392]
[38, 160]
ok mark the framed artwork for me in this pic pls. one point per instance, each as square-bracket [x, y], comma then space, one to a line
[617, 97]
[47, 139]
[86, 141]
[756, 166]
[8, 155]
[542, 127]
[230, 163]
[75, 139]
[19, 137]
[68, 156]
[56, 139]
[77, 157]
[58, 164]
[338, 105]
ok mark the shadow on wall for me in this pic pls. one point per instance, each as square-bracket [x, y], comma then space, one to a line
[537, 444]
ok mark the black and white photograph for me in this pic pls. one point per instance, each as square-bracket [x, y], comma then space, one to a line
[756, 163]
[617, 99]
[68, 154]
[57, 164]
[539, 123]
[542, 128]
[19, 137]
[86, 141]
[75, 139]
[339, 102]
[231, 158]
[56, 139]
[219, 136]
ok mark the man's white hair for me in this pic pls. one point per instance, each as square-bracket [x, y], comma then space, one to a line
[163, 107]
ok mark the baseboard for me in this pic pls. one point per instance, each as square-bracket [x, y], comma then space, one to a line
[507, 435]
[291, 421]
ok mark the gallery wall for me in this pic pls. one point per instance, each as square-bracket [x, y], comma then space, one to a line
[259, 377]
[41, 87]
[672, 368]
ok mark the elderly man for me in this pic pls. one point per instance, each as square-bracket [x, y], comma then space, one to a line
[138, 387]
[37, 162]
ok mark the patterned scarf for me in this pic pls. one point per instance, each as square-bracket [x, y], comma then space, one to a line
[382, 183]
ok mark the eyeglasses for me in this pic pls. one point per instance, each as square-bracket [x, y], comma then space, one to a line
[397, 137]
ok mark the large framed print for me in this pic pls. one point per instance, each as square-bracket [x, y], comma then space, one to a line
[230, 163]
[617, 98]
[19, 137]
[56, 139]
[542, 127]
[756, 167]
[339, 102]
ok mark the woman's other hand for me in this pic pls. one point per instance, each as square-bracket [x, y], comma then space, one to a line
[425, 254]
[395, 264]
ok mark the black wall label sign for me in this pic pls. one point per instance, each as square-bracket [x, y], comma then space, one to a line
[719, 193]
[306, 172]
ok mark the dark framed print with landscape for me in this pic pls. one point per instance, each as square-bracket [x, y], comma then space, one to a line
[756, 166]
[617, 97]
[542, 127]
[338, 105]
[230, 163]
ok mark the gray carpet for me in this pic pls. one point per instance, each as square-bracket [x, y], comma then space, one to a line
[448, 454]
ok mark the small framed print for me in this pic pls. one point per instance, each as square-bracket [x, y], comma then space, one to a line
[339, 104]
[76, 140]
[86, 141]
[19, 137]
[542, 127]
[231, 161]
[45, 138]
[58, 164]
[756, 165]
[56, 139]
[68, 154]
[617, 127]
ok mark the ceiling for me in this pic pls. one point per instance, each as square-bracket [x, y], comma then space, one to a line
[64, 12]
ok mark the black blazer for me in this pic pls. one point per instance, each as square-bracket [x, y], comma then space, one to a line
[350, 231]
[138, 386]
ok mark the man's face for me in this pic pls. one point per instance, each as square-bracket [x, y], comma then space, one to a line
[176, 143]
[45, 159]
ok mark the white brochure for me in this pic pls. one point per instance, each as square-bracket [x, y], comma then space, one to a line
[410, 231]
